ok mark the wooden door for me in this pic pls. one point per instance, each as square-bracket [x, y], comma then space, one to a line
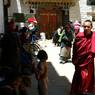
[47, 22]
[52, 23]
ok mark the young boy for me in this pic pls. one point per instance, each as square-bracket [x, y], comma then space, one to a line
[42, 73]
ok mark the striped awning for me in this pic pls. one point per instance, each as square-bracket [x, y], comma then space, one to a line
[60, 2]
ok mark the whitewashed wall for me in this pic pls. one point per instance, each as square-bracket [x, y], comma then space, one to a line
[75, 12]
[17, 6]
[79, 11]
[12, 9]
[24, 7]
[84, 8]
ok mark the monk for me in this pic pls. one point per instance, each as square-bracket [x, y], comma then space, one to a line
[83, 60]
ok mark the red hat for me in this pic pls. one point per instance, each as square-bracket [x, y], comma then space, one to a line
[32, 20]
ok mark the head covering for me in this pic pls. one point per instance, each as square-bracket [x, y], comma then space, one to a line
[32, 20]
[76, 25]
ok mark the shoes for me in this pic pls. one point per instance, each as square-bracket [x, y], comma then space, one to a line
[62, 62]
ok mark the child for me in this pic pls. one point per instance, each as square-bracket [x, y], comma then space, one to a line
[42, 73]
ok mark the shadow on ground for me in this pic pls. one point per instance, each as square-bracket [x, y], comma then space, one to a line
[58, 85]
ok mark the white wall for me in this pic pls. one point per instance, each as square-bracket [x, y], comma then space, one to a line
[84, 8]
[75, 12]
[12, 8]
[80, 10]
[24, 7]
[1, 17]
[17, 6]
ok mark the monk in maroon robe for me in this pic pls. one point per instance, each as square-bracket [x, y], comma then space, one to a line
[83, 59]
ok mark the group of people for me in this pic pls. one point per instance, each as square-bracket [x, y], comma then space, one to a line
[14, 82]
[82, 40]
[84, 60]
[63, 37]
[17, 65]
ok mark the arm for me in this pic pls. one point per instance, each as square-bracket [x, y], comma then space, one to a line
[94, 60]
[40, 71]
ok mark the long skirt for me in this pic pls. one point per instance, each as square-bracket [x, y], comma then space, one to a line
[83, 80]
[65, 53]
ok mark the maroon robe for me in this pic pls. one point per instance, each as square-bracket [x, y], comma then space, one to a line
[83, 59]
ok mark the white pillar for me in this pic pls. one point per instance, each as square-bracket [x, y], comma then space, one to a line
[18, 6]
[1, 17]
[14, 8]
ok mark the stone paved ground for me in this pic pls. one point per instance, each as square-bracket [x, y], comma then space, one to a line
[60, 75]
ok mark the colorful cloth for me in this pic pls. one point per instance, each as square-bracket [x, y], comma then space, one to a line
[83, 59]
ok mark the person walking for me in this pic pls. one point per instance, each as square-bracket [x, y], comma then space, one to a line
[60, 33]
[66, 43]
[32, 29]
[76, 27]
[42, 73]
[83, 60]
[57, 35]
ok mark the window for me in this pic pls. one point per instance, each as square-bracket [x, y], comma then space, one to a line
[33, 11]
[93, 18]
[90, 2]
[7, 3]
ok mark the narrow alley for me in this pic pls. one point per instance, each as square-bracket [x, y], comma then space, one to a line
[60, 75]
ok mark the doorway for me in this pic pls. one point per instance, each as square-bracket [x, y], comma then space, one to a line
[48, 22]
